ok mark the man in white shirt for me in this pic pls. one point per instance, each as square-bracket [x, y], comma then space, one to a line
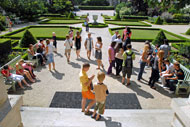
[68, 43]
[114, 36]
[119, 41]
[168, 73]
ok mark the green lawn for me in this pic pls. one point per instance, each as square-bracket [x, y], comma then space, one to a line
[62, 22]
[45, 32]
[141, 34]
[4, 40]
[127, 23]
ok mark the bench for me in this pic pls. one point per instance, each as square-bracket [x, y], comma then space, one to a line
[33, 61]
[183, 84]
[9, 82]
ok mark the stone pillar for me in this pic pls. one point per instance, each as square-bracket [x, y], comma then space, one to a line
[9, 108]
[3, 93]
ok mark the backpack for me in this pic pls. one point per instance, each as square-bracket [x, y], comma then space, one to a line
[129, 60]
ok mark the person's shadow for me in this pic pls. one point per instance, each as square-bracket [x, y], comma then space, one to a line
[110, 123]
[75, 65]
[59, 54]
[57, 75]
[136, 88]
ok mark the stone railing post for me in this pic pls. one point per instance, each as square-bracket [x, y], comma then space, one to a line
[3, 92]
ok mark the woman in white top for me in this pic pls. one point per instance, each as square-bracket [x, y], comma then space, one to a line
[49, 53]
[98, 52]
[89, 45]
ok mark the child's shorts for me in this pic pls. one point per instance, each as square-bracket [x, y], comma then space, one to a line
[100, 106]
[67, 51]
[88, 95]
[127, 71]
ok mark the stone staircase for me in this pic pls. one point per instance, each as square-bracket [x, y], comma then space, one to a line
[66, 117]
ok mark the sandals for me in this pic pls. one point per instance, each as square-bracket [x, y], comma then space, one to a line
[88, 113]
[99, 118]
[94, 116]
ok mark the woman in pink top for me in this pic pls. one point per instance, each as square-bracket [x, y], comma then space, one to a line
[111, 54]
[125, 31]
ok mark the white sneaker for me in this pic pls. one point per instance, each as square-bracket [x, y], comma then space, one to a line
[171, 92]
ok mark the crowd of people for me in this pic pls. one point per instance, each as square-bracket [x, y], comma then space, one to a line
[120, 56]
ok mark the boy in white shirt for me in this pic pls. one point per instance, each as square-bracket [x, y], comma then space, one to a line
[68, 44]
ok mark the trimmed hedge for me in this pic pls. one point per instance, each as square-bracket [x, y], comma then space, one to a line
[100, 25]
[53, 15]
[96, 7]
[9, 35]
[27, 39]
[15, 43]
[187, 32]
[106, 17]
[5, 46]
[180, 38]
[126, 23]
[67, 21]
[134, 17]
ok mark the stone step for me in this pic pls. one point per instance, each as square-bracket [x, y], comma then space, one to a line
[60, 117]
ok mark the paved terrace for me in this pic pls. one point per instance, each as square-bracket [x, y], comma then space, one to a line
[66, 76]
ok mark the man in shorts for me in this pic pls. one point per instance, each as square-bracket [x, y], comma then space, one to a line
[86, 83]
[68, 43]
[128, 57]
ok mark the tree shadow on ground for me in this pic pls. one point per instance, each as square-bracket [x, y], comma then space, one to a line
[110, 123]
[136, 88]
[57, 75]
[75, 65]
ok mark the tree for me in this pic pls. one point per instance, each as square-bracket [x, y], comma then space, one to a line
[27, 9]
[27, 39]
[140, 5]
[62, 6]
[159, 40]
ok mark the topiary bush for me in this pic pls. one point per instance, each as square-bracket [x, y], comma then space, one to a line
[117, 17]
[71, 16]
[1, 27]
[158, 21]
[27, 39]
[187, 32]
[159, 40]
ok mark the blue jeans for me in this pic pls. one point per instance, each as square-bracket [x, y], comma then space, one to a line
[142, 66]
[172, 84]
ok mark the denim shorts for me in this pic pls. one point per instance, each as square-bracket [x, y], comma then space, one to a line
[50, 58]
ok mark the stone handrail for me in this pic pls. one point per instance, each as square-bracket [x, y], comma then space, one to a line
[12, 61]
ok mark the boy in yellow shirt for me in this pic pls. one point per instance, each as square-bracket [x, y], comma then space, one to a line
[85, 82]
[101, 91]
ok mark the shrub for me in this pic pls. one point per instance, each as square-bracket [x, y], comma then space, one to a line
[1, 27]
[71, 16]
[117, 17]
[119, 6]
[159, 40]
[27, 39]
[5, 46]
[159, 21]
[125, 11]
[167, 17]
[188, 32]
